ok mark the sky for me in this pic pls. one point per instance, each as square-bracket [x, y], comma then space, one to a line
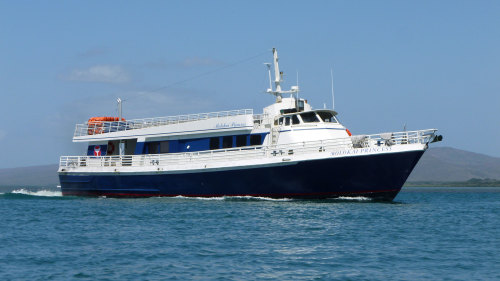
[419, 64]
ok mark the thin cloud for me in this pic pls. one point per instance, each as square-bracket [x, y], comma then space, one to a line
[100, 73]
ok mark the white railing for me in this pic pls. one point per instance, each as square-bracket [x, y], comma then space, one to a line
[247, 153]
[101, 127]
[395, 138]
[261, 121]
[232, 154]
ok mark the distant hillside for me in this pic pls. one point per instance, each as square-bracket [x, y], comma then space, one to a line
[446, 164]
[45, 175]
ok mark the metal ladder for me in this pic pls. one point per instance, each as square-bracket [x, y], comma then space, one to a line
[275, 133]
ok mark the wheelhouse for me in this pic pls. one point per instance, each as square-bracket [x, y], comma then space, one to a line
[315, 116]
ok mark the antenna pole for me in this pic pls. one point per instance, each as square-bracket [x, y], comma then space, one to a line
[333, 93]
[119, 100]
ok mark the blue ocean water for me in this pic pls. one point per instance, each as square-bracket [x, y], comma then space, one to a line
[425, 234]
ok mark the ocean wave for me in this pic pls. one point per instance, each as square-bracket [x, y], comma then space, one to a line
[356, 198]
[199, 198]
[221, 198]
[43, 192]
[259, 198]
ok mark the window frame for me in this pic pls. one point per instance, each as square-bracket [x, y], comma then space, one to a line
[332, 118]
[312, 113]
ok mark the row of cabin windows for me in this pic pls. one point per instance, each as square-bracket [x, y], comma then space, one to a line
[241, 140]
[307, 117]
[213, 143]
[158, 147]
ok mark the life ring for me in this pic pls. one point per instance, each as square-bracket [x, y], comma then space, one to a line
[111, 148]
[348, 132]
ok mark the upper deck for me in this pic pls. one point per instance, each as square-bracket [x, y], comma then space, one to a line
[242, 118]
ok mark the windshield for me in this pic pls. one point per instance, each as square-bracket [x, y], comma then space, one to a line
[327, 117]
[309, 117]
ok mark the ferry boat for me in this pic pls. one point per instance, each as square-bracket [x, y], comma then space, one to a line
[290, 150]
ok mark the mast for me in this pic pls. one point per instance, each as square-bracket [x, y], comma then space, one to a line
[278, 76]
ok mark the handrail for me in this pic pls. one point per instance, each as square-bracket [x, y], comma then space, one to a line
[86, 129]
[394, 138]
[250, 152]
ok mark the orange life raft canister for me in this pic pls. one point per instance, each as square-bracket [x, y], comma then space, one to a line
[95, 124]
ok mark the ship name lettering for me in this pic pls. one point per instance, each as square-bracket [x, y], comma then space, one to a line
[221, 125]
[361, 151]
[226, 125]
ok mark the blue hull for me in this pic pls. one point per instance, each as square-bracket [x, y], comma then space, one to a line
[375, 176]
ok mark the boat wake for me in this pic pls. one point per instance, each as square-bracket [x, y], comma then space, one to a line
[43, 192]
[235, 198]
[261, 198]
[356, 198]
[58, 193]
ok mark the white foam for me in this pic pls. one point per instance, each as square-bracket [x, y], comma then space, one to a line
[45, 193]
[259, 198]
[233, 197]
[200, 198]
[357, 198]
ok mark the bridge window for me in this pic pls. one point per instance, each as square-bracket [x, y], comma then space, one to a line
[309, 117]
[295, 120]
[287, 121]
[327, 117]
